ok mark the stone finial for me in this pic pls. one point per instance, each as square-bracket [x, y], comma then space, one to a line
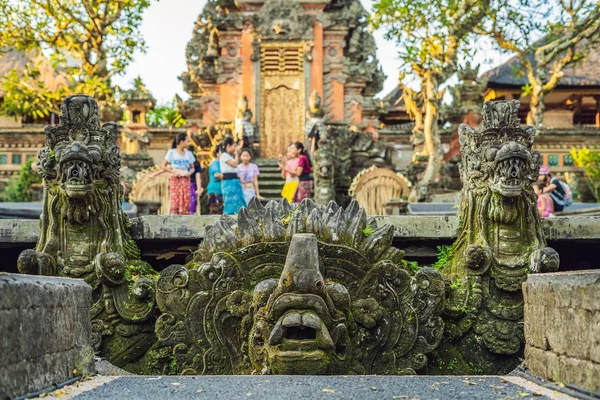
[315, 108]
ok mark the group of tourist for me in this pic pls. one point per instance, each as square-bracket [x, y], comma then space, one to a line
[553, 195]
[233, 178]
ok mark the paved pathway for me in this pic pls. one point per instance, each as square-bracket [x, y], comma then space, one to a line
[308, 387]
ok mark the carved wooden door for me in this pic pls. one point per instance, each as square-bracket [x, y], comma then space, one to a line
[282, 97]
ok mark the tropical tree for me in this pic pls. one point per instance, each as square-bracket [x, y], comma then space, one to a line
[165, 116]
[589, 160]
[431, 35]
[89, 40]
[21, 189]
[546, 36]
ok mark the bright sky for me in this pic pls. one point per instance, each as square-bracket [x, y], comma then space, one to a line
[167, 28]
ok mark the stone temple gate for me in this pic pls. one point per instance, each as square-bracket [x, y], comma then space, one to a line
[275, 53]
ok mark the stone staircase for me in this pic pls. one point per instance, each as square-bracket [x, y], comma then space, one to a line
[270, 182]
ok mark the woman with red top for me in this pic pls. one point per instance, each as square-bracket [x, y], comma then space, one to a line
[304, 173]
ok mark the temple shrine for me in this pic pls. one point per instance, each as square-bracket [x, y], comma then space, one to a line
[280, 71]
[271, 56]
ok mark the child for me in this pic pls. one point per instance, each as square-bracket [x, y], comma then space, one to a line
[248, 174]
[196, 188]
[179, 162]
[215, 195]
[231, 186]
[545, 205]
[288, 166]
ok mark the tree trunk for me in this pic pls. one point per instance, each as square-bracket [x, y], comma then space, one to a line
[432, 138]
[536, 108]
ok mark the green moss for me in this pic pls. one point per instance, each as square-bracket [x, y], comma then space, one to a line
[137, 269]
[368, 231]
[412, 266]
[445, 255]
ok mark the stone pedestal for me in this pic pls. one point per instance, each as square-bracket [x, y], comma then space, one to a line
[396, 207]
[147, 207]
[562, 327]
[45, 333]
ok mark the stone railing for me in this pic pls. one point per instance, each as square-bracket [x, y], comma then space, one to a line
[164, 237]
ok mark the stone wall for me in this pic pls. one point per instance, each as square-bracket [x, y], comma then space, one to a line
[45, 332]
[562, 327]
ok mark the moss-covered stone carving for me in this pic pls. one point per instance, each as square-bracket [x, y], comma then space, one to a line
[84, 233]
[500, 241]
[308, 290]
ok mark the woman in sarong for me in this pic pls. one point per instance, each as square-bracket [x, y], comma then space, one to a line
[231, 186]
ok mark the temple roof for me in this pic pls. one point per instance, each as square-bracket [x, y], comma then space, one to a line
[52, 79]
[584, 74]
[395, 100]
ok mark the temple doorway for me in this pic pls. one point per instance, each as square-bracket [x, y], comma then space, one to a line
[282, 97]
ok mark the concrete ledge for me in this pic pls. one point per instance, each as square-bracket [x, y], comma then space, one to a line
[45, 332]
[159, 227]
[562, 327]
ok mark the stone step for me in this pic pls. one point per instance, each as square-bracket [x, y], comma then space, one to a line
[268, 167]
[270, 192]
[270, 185]
[266, 162]
[268, 175]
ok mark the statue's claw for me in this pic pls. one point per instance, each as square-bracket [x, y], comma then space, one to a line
[32, 262]
[544, 260]
[110, 268]
[478, 259]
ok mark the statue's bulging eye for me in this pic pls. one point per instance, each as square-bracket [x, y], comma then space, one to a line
[319, 284]
[75, 172]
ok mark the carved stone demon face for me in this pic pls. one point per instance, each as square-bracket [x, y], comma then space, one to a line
[499, 154]
[279, 291]
[299, 327]
[79, 152]
[75, 170]
[511, 165]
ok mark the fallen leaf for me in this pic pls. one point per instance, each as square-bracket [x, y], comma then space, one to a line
[467, 383]
[373, 388]
[248, 394]
[175, 383]
[502, 381]
[200, 391]
[75, 371]
[400, 397]
[537, 394]
[328, 391]
[497, 387]
[523, 394]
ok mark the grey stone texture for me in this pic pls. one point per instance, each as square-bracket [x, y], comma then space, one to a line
[173, 227]
[562, 327]
[45, 332]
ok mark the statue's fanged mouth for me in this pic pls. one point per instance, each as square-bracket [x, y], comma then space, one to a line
[510, 169]
[511, 166]
[301, 331]
[76, 178]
